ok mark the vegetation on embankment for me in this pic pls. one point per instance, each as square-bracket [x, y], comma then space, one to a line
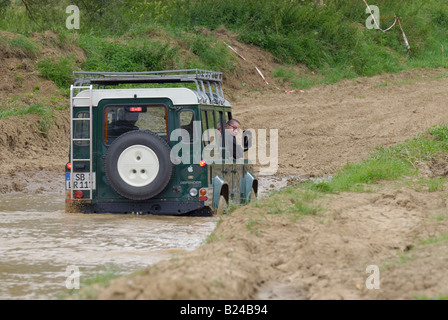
[401, 160]
[330, 38]
[419, 163]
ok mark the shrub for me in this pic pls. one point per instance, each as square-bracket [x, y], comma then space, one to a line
[58, 70]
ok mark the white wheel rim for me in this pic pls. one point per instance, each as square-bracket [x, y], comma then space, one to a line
[138, 166]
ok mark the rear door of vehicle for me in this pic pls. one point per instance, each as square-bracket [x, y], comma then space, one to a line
[155, 116]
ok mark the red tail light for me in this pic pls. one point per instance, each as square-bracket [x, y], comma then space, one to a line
[69, 166]
[79, 194]
[68, 197]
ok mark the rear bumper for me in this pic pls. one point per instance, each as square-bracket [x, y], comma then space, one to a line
[172, 208]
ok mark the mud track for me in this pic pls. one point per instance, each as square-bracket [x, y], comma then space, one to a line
[325, 256]
[322, 257]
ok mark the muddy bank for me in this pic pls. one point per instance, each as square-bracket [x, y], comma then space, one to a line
[256, 255]
[32, 161]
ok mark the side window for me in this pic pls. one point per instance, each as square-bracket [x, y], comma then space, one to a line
[81, 130]
[204, 124]
[221, 124]
[186, 122]
[208, 122]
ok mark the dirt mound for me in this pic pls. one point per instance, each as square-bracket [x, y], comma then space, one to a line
[32, 161]
[32, 158]
[19, 77]
[265, 256]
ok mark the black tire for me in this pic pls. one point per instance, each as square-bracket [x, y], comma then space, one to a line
[138, 165]
[222, 206]
[253, 195]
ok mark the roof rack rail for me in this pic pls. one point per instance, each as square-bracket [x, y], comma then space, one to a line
[166, 76]
[201, 78]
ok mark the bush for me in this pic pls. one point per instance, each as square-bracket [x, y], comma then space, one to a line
[331, 39]
[58, 70]
[115, 56]
[20, 46]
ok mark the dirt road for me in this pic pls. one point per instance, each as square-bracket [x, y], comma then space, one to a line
[319, 257]
[324, 256]
[325, 127]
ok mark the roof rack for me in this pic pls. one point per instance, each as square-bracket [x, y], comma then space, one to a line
[202, 79]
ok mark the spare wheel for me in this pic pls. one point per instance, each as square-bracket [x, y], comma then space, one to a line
[138, 165]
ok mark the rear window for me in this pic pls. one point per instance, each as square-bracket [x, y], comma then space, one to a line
[121, 119]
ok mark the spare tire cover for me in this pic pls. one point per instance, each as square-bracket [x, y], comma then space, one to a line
[138, 165]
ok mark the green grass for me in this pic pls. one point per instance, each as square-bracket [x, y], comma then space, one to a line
[21, 46]
[293, 202]
[396, 163]
[46, 114]
[57, 70]
[330, 40]
[127, 53]
[401, 259]
[287, 75]
[433, 240]
[428, 184]
[389, 164]
[211, 53]
[253, 225]
[38, 109]
[87, 285]
[441, 297]
[118, 56]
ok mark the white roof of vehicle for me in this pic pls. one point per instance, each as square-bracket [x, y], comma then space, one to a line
[179, 96]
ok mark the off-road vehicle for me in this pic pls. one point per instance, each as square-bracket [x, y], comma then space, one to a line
[150, 143]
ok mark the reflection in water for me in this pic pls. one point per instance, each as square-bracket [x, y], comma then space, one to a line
[39, 241]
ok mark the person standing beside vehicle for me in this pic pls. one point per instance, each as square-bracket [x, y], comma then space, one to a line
[233, 128]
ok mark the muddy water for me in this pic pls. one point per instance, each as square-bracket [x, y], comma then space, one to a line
[39, 241]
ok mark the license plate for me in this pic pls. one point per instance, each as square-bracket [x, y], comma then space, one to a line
[81, 181]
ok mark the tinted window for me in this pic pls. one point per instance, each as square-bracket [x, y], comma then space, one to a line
[186, 122]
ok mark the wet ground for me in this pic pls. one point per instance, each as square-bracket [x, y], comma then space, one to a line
[39, 242]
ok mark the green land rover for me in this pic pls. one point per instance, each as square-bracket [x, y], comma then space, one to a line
[151, 143]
